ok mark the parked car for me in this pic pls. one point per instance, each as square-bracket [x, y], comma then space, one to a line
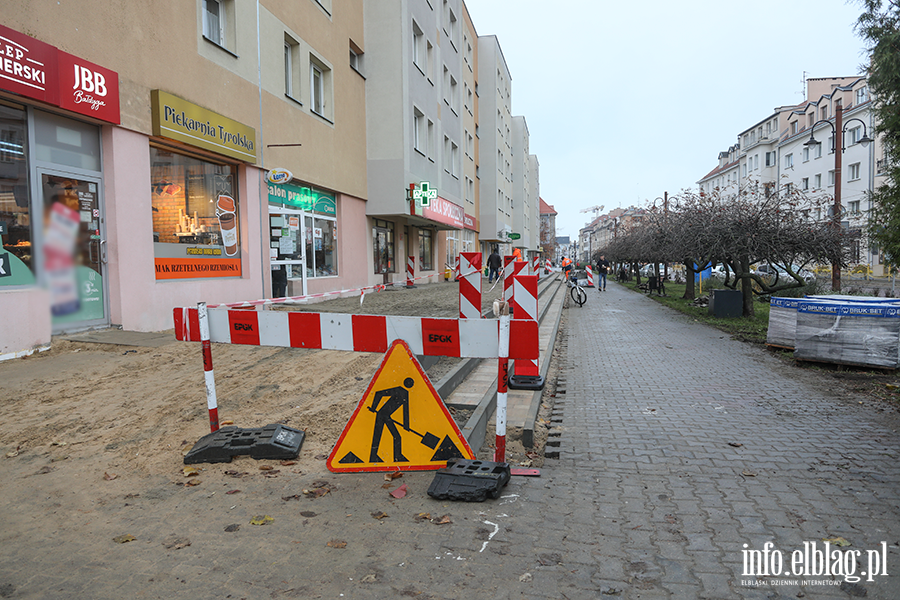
[647, 270]
[774, 273]
[720, 270]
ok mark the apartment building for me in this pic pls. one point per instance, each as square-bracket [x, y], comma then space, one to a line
[136, 148]
[416, 99]
[776, 155]
[525, 190]
[495, 138]
[547, 229]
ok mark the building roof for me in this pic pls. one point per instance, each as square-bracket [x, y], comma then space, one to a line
[546, 209]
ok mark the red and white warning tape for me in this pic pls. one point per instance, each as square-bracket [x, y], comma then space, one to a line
[463, 338]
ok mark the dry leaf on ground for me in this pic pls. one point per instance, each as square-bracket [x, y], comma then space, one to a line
[124, 539]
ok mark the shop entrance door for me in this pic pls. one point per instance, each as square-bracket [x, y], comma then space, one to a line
[74, 250]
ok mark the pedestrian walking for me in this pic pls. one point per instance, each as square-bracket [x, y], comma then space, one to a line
[493, 263]
[602, 270]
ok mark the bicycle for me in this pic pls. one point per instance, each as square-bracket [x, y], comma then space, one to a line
[579, 296]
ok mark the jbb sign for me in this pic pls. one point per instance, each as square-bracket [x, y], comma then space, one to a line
[33, 69]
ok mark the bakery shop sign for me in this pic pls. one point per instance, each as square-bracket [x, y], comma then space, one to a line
[36, 70]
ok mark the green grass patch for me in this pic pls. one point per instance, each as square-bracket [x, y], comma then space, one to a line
[750, 329]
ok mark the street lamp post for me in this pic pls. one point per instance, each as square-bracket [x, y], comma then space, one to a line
[838, 130]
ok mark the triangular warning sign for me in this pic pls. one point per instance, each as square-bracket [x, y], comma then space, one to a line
[400, 423]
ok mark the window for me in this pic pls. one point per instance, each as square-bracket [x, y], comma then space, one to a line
[831, 177]
[789, 161]
[448, 157]
[862, 95]
[317, 89]
[288, 71]
[823, 112]
[426, 247]
[817, 181]
[853, 172]
[744, 170]
[419, 131]
[770, 159]
[418, 46]
[429, 50]
[854, 135]
[793, 127]
[804, 184]
[805, 153]
[320, 88]
[432, 140]
[196, 213]
[17, 262]
[810, 119]
[448, 83]
[291, 68]
[356, 58]
[214, 21]
[454, 95]
[454, 26]
[470, 146]
[383, 246]
[817, 153]
[454, 159]
[788, 188]
[321, 249]
[853, 207]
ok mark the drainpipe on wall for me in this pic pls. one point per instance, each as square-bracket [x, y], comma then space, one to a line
[264, 204]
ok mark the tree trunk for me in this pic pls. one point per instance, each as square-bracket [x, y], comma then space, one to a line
[637, 273]
[746, 287]
[689, 293]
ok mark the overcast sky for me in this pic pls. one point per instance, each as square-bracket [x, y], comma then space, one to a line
[625, 101]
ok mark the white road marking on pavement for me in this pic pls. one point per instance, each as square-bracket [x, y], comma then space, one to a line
[491, 536]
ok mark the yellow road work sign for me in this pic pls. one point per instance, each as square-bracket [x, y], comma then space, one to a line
[401, 422]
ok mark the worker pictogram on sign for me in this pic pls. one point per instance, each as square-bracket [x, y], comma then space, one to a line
[400, 423]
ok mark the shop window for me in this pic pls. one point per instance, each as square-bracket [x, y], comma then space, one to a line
[383, 246]
[196, 217]
[16, 263]
[321, 250]
[426, 247]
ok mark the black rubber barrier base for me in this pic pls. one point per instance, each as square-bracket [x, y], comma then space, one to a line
[526, 382]
[469, 480]
[270, 442]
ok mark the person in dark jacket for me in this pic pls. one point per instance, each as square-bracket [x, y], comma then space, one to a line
[602, 270]
[493, 263]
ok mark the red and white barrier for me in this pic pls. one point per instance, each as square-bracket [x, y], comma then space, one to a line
[535, 264]
[502, 386]
[462, 338]
[410, 270]
[507, 277]
[456, 269]
[208, 374]
[470, 285]
[590, 276]
[525, 306]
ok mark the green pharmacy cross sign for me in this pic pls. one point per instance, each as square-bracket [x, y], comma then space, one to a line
[424, 194]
